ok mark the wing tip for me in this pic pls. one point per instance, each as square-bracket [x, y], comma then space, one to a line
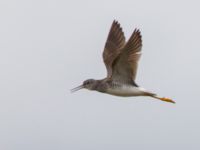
[137, 30]
[116, 23]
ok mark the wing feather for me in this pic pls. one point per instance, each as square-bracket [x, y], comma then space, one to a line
[114, 43]
[125, 65]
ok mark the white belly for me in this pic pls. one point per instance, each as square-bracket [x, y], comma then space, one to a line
[126, 91]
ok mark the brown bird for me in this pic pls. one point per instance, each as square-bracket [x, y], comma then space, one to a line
[121, 61]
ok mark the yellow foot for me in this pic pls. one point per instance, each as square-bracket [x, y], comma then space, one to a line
[167, 100]
[164, 99]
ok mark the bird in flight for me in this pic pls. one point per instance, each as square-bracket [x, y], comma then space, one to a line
[121, 61]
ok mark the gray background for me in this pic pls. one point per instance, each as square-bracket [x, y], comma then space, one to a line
[50, 46]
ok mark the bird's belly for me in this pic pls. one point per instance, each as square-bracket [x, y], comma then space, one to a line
[126, 91]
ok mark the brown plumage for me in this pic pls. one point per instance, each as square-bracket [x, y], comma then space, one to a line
[121, 61]
[121, 58]
[114, 44]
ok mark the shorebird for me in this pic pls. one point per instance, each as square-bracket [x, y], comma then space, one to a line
[121, 61]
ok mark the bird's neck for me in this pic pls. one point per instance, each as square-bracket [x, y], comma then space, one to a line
[99, 85]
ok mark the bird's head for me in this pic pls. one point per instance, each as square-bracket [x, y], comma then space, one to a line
[87, 84]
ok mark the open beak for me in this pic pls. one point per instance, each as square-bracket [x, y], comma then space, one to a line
[77, 88]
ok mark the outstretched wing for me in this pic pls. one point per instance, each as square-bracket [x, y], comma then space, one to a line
[125, 65]
[115, 42]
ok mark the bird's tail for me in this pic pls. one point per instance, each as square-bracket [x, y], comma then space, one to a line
[160, 98]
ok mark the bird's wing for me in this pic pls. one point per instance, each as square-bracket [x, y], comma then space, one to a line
[115, 42]
[125, 65]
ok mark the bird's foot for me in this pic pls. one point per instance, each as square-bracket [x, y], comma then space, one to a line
[166, 99]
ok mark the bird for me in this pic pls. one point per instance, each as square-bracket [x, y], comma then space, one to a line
[121, 61]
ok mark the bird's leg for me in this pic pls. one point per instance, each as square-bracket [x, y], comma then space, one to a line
[164, 99]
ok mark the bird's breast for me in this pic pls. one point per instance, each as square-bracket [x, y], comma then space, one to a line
[126, 91]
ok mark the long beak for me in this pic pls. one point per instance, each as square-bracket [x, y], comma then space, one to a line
[77, 88]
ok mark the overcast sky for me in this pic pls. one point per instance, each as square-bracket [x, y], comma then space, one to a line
[48, 47]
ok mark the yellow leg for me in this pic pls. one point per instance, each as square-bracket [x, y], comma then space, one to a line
[164, 99]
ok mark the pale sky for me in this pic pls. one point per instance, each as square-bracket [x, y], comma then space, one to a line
[48, 47]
